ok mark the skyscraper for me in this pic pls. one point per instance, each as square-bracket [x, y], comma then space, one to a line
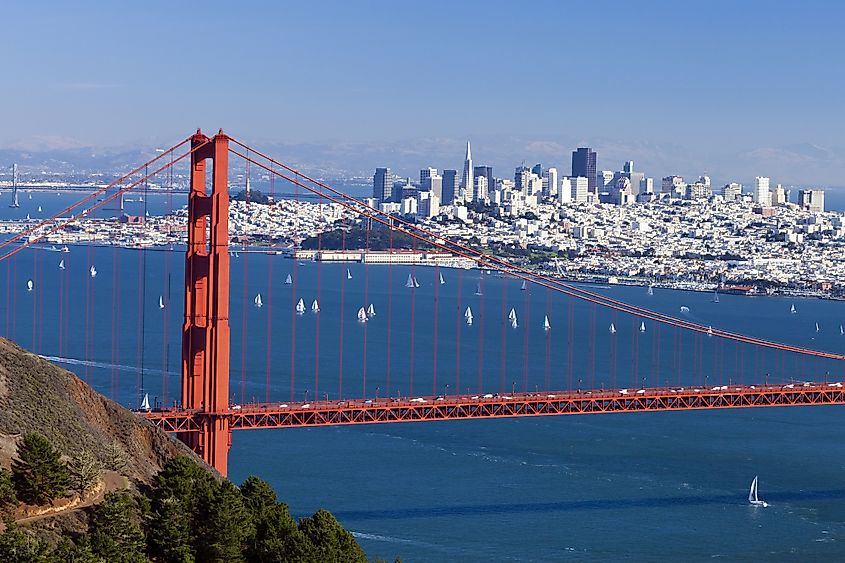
[383, 184]
[487, 172]
[584, 165]
[431, 181]
[467, 181]
[449, 187]
[762, 195]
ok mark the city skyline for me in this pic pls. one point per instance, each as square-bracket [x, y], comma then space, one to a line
[728, 102]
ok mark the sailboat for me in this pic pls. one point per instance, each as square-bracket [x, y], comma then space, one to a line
[410, 282]
[362, 315]
[300, 306]
[841, 330]
[348, 274]
[514, 324]
[715, 297]
[651, 289]
[39, 209]
[288, 280]
[523, 287]
[29, 285]
[612, 329]
[468, 316]
[642, 326]
[442, 281]
[817, 328]
[258, 302]
[478, 289]
[371, 311]
[792, 309]
[416, 283]
[512, 314]
[684, 309]
[315, 307]
[752, 495]
[546, 324]
[93, 272]
[145, 403]
[62, 264]
[161, 302]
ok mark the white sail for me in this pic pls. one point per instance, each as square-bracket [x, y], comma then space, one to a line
[468, 313]
[752, 494]
[792, 309]
[258, 302]
[39, 209]
[642, 326]
[523, 287]
[514, 324]
[469, 321]
[612, 329]
[546, 324]
[161, 302]
[93, 272]
[442, 281]
[512, 314]
[416, 283]
[362, 315]
[478, 289]
[817, 327]
[371, 310]
[410, 282]
[315, 307]
[684, 309]
[841, 330]
[29, 285]
[62, 264]
[288, 280]
[300, 306]
[348, 274]
[145, 404]
[651, 290]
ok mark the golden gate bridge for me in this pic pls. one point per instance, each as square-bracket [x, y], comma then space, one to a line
[206, 413]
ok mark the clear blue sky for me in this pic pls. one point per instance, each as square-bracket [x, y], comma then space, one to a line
[694, 81]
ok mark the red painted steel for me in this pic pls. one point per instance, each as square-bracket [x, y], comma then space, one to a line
[463, 407]
[205, 333]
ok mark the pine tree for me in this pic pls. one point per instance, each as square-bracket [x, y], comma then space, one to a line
[8, 498]
[116, 459]
[19, 546]
[277, 539]
[225, 527]
[39, 474]
[331, 540]
[84, 470]
[116, 533]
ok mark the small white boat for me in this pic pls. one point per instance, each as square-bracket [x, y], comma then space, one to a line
[348, 274]
[651, 290]
[512, 314]
[753, 499]
[792, 309]
[288, 280]
[468, 316]
[684, 309]
[145, 403]
[514, 324]
[817, 328]
[29, 285]
[410, 282]
[258, 302]
[362, 315]
[315, 307]
[642, 326]
[65, 249]
[62, 264]
[612, 329]
[93, 272]
[300, 306]
[546, 324]
[371, 310]
[39, 209]
[442, 281]
[841, 330]
[523, 287]
[161, 302]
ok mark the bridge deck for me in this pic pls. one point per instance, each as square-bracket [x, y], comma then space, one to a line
[459, 407]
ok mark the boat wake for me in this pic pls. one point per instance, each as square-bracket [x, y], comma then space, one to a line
[102, 365]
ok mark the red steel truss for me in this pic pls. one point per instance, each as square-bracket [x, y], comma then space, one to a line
[462, 407]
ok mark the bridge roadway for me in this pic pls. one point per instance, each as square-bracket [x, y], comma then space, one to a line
[459, 407]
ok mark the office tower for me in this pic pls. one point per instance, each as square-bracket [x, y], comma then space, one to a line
[628, 167]
[550, 183]
[674, 186]
[565, 190]
[647, 186]
[762, 195]
[584, 165]
[811, 200]
[520, 178]
[487, 172]
[537, 169]
[481, 190]
[426, 173]
[383, 184]
[431, 181]
[580, 188]
[467, 182]
[779, 195]
[603, 180]
[449, 187]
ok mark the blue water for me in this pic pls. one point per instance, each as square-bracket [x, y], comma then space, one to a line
[639, 486]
